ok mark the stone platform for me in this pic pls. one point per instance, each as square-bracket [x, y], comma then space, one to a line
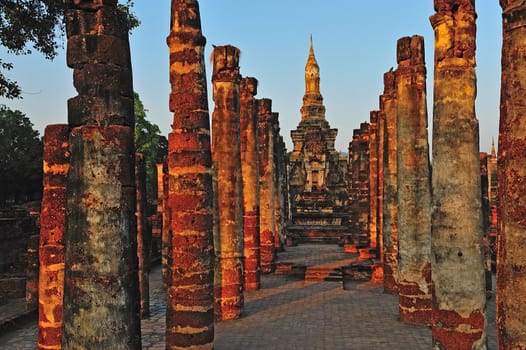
[289, 313]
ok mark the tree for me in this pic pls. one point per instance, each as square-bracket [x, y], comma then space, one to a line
[20, 158]
[26, 24]
[150, 142]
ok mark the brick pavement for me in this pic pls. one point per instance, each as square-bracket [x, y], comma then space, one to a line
[289, 313]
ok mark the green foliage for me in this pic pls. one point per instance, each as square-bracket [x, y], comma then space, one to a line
[20, 158]
[149, 142]
[26, 24]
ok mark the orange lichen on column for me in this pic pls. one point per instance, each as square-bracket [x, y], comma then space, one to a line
[266, 217]
[459, 302]
[190, 301]
[52, 228]
[388, 106]
[228, 280]
[511, 237]
[249, 169]
[414, 190]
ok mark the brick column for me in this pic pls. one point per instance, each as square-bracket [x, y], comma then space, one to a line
[414, 190]
[100, 245]
[249, 169]
[226, 157]
[511, 261]
[276, 187]
[459, 303]
[373, 180]
[52, 228]
[190, 304]
[266, 219]
[388, 105]
[144, 235]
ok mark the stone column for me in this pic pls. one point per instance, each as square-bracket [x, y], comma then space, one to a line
[373, 180]
[378, 266]
[190, 304]
[162, 195]
[52, 228]
[144, 236]
[101, 299]
[226, 157]
[388, 105]
[276, 187]
[266, 219]
[511, 262]
[459, 303]
[484, 190]
[414, 190]
[249, 169]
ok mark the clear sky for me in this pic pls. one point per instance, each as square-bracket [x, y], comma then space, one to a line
[354, 42]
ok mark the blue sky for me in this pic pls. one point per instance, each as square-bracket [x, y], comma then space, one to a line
[354, 42]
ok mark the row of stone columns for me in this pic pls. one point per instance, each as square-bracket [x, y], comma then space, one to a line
[432, 225]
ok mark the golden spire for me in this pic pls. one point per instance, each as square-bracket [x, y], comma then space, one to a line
[493, 155]
[312, 72]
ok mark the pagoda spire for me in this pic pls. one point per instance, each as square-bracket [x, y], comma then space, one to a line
[493, 153]
[312, 72]
[313, 108]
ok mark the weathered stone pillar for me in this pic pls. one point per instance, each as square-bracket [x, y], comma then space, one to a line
[276, 159]
[388, 104]
[266, 219]
[484, 190]
[32, 271]
[511, 237]
[373, 180]
[166, 236]
[414, 188]
[144, 235]
[52, 227]
[101, 299]
[190, 304]
[249, 169]
[378, 266]
[226, 157]
[459, 302]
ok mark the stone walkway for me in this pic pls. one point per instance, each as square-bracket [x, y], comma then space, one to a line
[288, 313]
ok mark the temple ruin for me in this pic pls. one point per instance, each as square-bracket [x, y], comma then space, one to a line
[318, 174]
[231, 201]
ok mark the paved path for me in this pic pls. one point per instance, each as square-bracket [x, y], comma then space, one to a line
[289, 313]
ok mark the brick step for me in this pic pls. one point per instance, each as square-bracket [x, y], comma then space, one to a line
[329, 274]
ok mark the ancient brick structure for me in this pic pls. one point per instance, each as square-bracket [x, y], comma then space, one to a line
[144, 235]
[190, 304]
[414, 191]
[493, 202]
[484, 190]
[359, 190]
[511, 262]
[249, 169]
[457, 261]
[278, 156]
[318, 176]
[378, 265]
[373, 179]
[166, 235]
[52, 228]
[266, 174]
[100, 244]
[388, 106]
[228, 280]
